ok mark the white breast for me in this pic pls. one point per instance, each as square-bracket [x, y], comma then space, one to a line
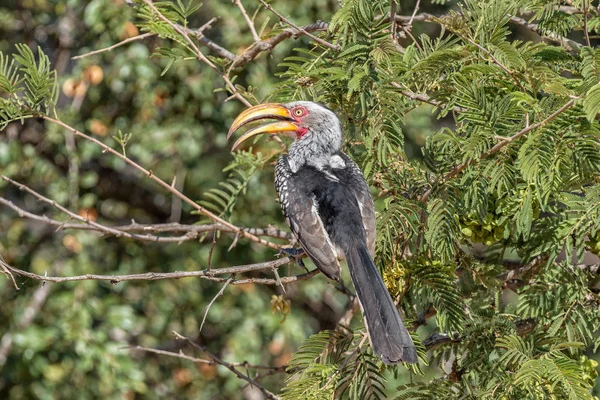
[337, 162]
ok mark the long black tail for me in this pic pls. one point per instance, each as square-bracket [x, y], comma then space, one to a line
[389, 338]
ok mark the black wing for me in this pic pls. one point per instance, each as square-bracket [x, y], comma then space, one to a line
[365, 201]
[301, 212]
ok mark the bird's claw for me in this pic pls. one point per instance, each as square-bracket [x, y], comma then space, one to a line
[295, 253]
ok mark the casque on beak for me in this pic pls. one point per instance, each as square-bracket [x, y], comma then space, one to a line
[259, 112]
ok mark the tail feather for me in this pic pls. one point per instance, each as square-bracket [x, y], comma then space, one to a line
[389, 337]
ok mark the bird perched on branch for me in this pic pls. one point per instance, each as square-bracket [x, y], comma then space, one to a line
[328, 207]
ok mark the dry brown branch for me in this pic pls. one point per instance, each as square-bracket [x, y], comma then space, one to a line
[114, 46]
[243, 364]
[185, 34]
[212, 275]
[219, 293]
[165, 185]
[459, 168]
[552, 39]
[393, 10]
[271, 231]
[196, 32]
[299, 29]
[407, 31]
[239, 5]
[229, 366]
[191, 232]
[412, 17]
[6, 271]
[346, 319]
[421, 17]
[269, 44]
[585, 25]
[216, 49]
[85, 221]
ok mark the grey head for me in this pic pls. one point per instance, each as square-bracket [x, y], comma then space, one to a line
[318, 138]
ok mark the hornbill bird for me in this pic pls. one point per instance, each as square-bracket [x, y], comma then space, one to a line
[328, 207]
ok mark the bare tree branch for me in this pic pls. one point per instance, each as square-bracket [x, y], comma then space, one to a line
[198, 33]
[393, 10]
[219, 293]
[165, 185]
[299, 29]
[585, 24]
[6, 271]
[239, 5]
[192, 232]
[114, 46]
[216, 49]
[229, 366]
[72, 215]
[243, 364]
[185, 34]
[212, 275]
[412, 17]
[269, 44]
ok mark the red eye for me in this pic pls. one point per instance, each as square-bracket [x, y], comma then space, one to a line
[299, 111]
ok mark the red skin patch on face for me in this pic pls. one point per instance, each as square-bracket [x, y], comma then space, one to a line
[300, 132]
[302, 111]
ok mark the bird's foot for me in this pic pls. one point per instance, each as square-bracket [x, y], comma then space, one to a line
[295, 253]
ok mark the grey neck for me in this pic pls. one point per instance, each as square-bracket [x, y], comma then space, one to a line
[316, 149]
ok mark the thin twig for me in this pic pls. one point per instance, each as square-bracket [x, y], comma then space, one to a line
[407, 31]
[229, 366]
[269, 44]
[412, 17]
[196, 32]
[585, 25]
[183, 356]
[239, 5]
[299, 29]
[346, 319]
[219, 293]
[422, 17]
[393, 10]
[216, 49]
[86, 222]
[185, 34]
[278, 279]
[211, 275]
[192, 232]
[114, 46]
[165, 185]
[4, 268]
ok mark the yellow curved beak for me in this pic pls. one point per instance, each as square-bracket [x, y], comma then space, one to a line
[262, 111]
